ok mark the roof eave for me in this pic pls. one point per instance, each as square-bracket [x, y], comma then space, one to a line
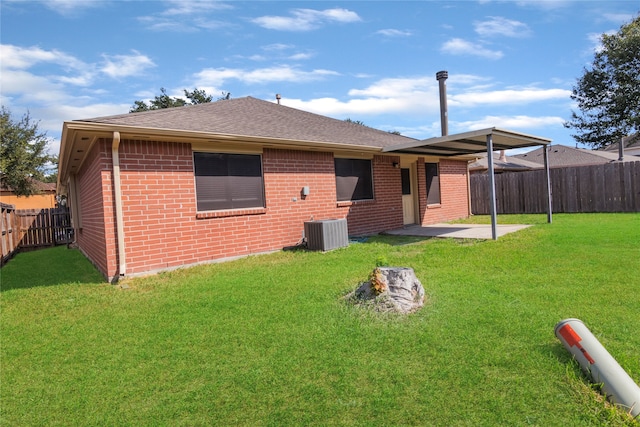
[471, 141]
[78, 136]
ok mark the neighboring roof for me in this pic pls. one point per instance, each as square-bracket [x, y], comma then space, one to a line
[256, 118]
[40, 186]
[508, 164]
[562, 155]
[469, 143]
[632, 143]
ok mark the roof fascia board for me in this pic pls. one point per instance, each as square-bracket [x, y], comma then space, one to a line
[529, 140]
[142, 133]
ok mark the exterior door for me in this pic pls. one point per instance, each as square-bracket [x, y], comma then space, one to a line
[408, 205]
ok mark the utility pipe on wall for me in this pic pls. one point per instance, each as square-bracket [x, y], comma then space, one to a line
[117, 189]
[596, 362]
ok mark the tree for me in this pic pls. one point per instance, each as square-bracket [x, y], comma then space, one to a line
[355, 122]
[23, 153]
[197, 96]
[608, 94]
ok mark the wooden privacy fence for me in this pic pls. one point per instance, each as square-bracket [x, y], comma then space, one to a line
[611, 187]
[33, 228]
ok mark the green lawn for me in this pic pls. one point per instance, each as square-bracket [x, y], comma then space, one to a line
[269, 341]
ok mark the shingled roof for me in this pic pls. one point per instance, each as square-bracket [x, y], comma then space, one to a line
[562, 155]
[506, 164]
[253, 117]
[631, 143]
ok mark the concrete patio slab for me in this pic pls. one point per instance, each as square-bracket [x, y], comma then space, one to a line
[456, 231]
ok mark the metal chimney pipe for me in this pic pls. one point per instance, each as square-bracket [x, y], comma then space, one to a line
[278, 97]
[442, 76]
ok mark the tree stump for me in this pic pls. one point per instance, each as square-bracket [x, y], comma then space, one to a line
[398, 288]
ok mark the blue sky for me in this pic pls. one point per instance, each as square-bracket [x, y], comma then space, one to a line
[511, 64]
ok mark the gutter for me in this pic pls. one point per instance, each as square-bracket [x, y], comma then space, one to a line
[117, 189]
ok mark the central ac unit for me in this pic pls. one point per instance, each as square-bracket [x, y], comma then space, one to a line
[326, 235]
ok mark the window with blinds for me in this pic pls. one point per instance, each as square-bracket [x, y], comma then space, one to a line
[354, 179]
[228, 181]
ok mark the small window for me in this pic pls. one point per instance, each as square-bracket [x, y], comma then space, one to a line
[228, 181]
[406, 181]
[354, 179]
[433, 183]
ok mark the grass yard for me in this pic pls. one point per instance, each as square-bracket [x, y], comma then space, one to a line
[268, 340]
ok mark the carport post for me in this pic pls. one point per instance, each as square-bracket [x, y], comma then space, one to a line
[492, 188]
[547, 178]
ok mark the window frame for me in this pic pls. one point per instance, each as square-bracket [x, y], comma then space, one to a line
[361, 190]
[432, 180]
[239, 176]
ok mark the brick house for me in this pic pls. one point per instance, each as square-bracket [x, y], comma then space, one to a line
[168, 188]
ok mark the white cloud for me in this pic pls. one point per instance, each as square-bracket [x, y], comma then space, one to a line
[280, 51]
[335, 107]
[508, 96]
[411, 95]
[306, 19]
[70, 7]
[394, 87]
[545, 4]
[16, 57]
[193, 7]
[458, 46]
[391, 32]
[277, 47]
[217, 76]
[499, 26]
[301, 56]
[511, 122]
[186, 16]
[19, 82]
[118, 66]
[28, 88]
[419, 95]
[618, 18]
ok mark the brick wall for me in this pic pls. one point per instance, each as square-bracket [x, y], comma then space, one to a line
[454, 201]
[96, 238]
[164, 230]
[383, 213]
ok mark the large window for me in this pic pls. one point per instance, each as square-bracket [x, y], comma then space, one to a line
[433, 183]
[228, 181]
[354, 179]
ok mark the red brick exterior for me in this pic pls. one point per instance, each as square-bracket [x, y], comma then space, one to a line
[97, 237]
[163, 229]
[385, 211]
[454, 192]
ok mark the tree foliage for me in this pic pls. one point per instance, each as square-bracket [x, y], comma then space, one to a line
[197, 96]
[355, 122]
[23, 153]
[608, 93]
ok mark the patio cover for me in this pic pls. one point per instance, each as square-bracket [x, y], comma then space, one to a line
[477, 141]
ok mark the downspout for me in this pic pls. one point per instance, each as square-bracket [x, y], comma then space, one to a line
[117, 189]
[469, 206]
